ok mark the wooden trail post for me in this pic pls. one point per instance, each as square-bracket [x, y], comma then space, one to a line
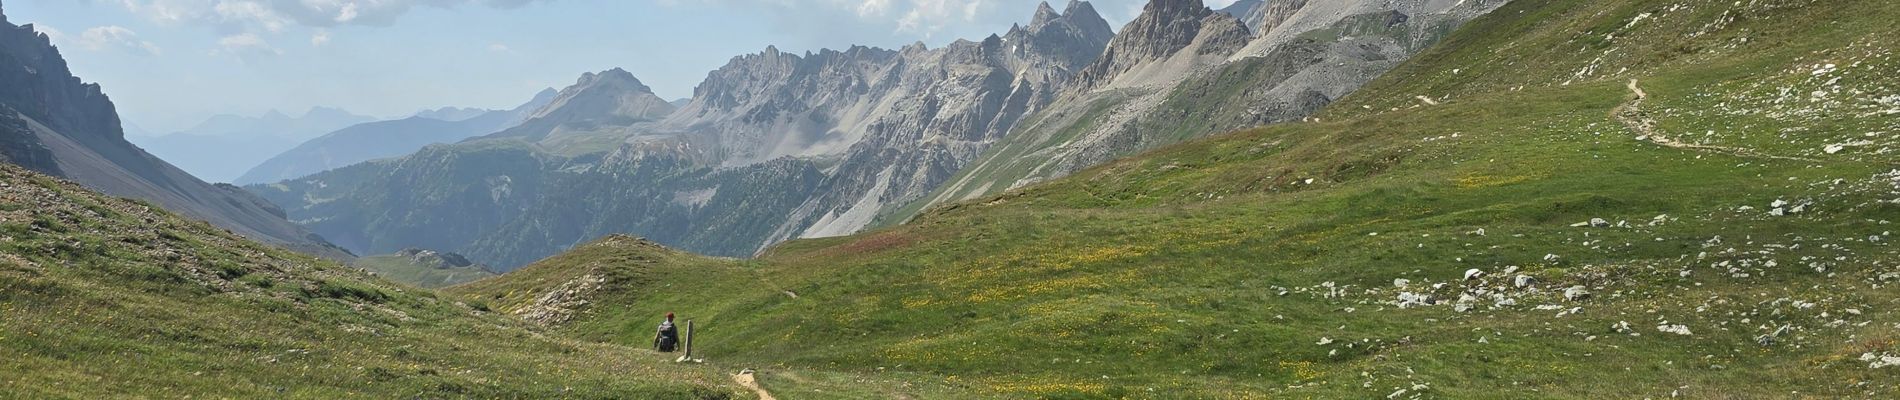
[689, 339]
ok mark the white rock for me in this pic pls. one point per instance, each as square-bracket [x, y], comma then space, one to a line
[1474, 273]
[1409, 300]
[1676, 329]
[1880, 361]
[1524, 281]
[1401, 283]
[1575, 293]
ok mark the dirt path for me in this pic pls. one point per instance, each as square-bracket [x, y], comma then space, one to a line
[750, 381]
[1631, 114]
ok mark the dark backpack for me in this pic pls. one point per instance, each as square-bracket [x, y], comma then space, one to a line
[669, 338]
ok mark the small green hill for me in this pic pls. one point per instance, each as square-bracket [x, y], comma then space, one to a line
[1502, 217]
[109, 298]
[424, 268]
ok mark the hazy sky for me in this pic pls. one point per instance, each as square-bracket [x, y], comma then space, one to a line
[169, 64]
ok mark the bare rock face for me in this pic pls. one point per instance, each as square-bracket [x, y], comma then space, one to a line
[1263, 15]
[1181, 71]
[53, 123]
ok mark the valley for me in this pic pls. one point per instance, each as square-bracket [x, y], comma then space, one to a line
[1279, 198]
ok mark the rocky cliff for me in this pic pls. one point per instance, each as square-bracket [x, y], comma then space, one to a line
[53, 123]
[1263, 15]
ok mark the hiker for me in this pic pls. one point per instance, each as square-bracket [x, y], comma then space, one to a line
[668, 338]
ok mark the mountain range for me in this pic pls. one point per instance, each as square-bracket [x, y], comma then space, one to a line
[776, 146]
[223, 146]
[383, 139]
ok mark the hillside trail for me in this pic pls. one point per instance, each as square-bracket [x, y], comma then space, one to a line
[750, 380]
[1631, 114]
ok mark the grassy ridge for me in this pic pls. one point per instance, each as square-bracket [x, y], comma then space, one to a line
[1292, 260]
[103, 298]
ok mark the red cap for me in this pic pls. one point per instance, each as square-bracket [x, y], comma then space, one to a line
[669, 315]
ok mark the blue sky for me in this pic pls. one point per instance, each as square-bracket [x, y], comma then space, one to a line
[169, 64]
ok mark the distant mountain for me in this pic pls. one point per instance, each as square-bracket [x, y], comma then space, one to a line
[132, 130]
[452, 114]
[383, 139]
[224, 146]
[597, 103]
[53, 123]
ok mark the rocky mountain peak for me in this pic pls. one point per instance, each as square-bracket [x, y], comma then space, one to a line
[1082, 10]
[613, 79]
[44, 88]
[1164, 29]
[603, 100]
[1172, 10]
[1044, 14]
[1069, 39]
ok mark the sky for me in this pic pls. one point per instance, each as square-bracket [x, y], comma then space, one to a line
[169, 64]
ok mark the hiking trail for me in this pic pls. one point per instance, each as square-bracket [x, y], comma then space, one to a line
[750, 380]
[1631, 114]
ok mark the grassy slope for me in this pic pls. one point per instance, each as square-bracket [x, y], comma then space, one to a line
[107, 298]
[406, 270]
[1217, 269]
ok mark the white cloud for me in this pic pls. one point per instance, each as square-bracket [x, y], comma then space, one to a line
[347, 14]
[104, 38]
[247, 46]
[275, 15]
[923, 17]
[246, 23]
[499, 48]
[874, 8]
